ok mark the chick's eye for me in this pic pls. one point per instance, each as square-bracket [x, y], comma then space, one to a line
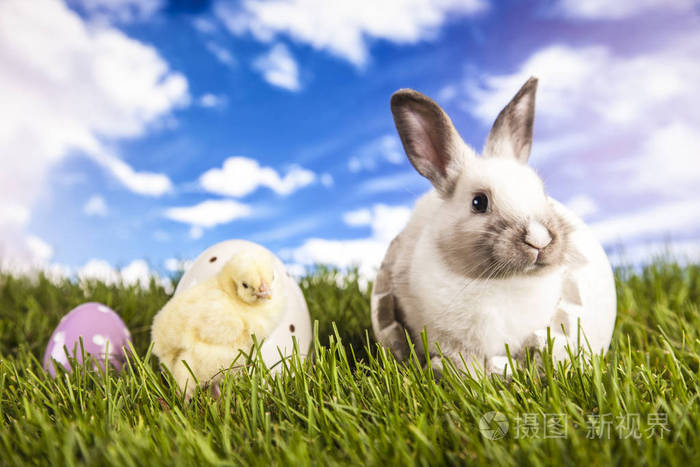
[480, 203]
[245, 286]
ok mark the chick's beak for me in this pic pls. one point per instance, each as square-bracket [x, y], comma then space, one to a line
[263, 291]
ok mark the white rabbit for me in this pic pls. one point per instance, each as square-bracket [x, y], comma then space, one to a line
[487, 258]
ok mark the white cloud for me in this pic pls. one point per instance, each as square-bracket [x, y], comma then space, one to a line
[204, 25]
[13, 214]
[54, 272]
[69, 87]
[123, 11]
[582, 205]
[683, 251]
[344, 28]
[296, 270]
[210, 100]
[327, 180]
[447, 94]
[209, 213]
[177, 265]
[602, 9]
[676, 217]
[196, 232]
[95, 206]
[366, 254]
[388, 221]
[240, 176]
[553, 146]
[161, 236]
[358, 217]
[98, 269]
[296, 178]
[395, 182]
[172, 264]
[222, 54]
[669, 161]
[386, 148]
[138, 272]
[279, 68]
[289, 229]
[592, 82]
[142, 183]
[26, 254]
[41, 250]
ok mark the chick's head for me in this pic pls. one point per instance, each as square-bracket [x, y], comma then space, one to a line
[251, 277]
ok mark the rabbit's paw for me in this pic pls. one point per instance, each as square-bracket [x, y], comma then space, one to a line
[566, 318]
[437, 366]
[538, 341]
[499, 365]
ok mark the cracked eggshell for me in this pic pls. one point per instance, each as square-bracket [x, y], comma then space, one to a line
[103, 332]
[295, 321]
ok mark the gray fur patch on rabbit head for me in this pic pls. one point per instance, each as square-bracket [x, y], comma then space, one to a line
[494, 243]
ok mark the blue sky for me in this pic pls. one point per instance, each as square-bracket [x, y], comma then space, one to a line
[138, 133]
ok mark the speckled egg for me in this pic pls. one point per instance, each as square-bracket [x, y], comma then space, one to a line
[295, 321]
[104, 337]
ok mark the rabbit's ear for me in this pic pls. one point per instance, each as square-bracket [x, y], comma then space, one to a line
[429, 138]
[511, 135]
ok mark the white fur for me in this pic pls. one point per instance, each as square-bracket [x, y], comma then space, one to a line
[471, 310]
[474, 319]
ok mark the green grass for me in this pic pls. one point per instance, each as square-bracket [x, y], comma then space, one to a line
[354, 403]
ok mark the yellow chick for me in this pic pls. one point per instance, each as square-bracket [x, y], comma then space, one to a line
[207, 324]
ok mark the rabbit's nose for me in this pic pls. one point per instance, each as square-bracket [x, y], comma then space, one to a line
[537, 235]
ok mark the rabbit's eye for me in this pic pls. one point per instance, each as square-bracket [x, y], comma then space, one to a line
[245, 286]
[480, 203]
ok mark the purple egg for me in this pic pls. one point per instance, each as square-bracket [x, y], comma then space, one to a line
[104, 334]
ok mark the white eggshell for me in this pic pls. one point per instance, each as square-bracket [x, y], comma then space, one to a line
[295, 322]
